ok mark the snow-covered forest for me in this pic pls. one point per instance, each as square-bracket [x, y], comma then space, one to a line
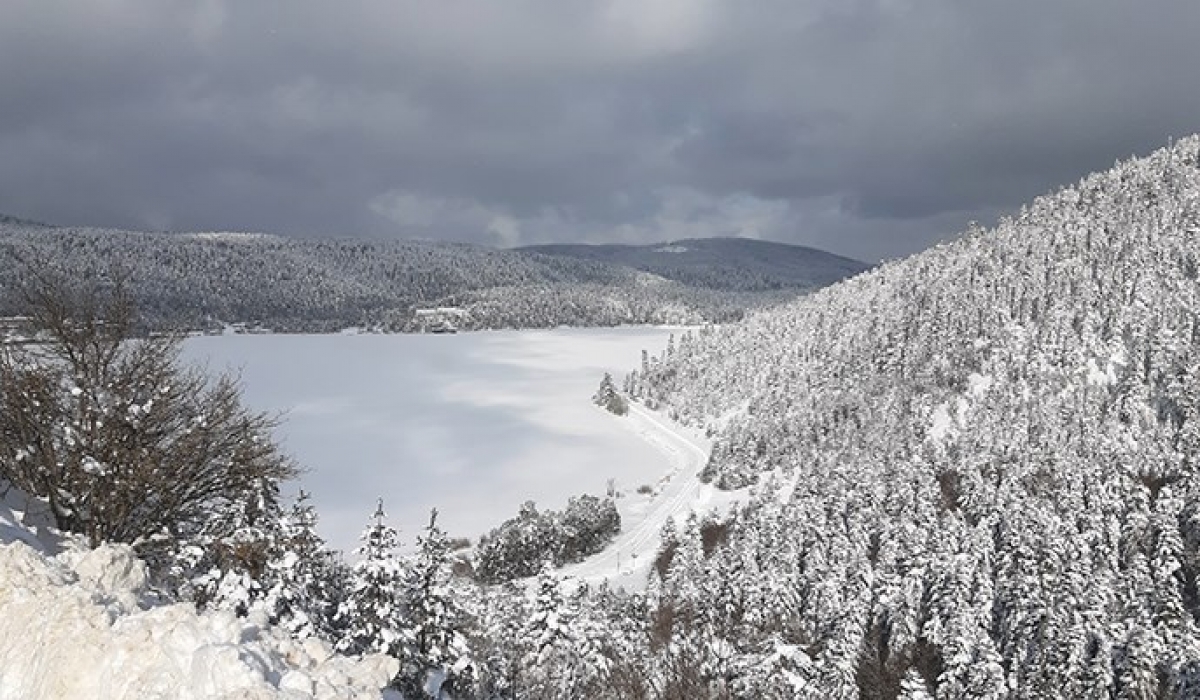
[967, 474]
[976, 466]
[203, 281]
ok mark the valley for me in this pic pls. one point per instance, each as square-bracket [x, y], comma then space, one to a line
[620, 350]
[969, 473]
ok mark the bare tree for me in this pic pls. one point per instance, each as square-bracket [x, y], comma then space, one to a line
[122, 439]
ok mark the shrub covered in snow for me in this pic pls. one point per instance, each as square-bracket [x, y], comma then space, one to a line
[122, 441]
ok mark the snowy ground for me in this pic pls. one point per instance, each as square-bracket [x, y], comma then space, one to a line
[75, 624]
[473, 424]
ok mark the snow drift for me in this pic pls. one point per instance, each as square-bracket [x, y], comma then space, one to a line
[77, 625]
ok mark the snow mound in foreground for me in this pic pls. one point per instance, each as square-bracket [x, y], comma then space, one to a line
[71, 627]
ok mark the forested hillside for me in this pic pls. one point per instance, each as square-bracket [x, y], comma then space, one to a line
[976, 466]
[205, 280]
[721, 263]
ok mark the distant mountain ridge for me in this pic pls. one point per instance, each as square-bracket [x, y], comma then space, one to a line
[721, 263]
[206, 280]
[6, 219]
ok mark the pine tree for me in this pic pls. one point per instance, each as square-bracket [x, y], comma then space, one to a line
[372, 617]
[304, 595]
[607, 397]
[439, 660]
[914, 687]
[502, 614]
[585, 527]
[228, 565]
[563, 656]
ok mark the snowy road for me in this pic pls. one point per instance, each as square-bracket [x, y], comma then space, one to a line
[626, 561]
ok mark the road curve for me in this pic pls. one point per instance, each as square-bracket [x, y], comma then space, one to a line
[633, 549]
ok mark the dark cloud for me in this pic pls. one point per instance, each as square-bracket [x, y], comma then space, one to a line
[869, 127]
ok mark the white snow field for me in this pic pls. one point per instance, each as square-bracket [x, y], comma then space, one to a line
[73, 626]
[473, 424]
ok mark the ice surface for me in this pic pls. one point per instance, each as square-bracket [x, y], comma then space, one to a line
[473, 423]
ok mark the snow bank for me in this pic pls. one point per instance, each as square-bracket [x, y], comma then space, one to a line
[71, 627]
[25, 518]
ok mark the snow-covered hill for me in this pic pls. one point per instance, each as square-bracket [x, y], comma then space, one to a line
[81, 624]
[204, 280]
[722, 263]
[989, 452]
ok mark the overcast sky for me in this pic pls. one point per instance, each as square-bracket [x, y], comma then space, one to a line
[871, 128]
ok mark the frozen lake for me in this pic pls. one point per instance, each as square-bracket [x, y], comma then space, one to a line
[473, 424]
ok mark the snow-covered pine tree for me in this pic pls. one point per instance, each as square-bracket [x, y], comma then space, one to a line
[608, 398]
[228, 564]
[438, 663]
[517, 547]
[501, 614]
[585, 527]
[914, 687]
[305, 592]
[371, 619]
[563, 656]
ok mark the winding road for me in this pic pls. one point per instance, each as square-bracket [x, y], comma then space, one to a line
[626, 560]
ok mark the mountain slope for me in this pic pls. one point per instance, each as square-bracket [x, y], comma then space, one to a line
[981, 459]
[204, 279]
[721, 263]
